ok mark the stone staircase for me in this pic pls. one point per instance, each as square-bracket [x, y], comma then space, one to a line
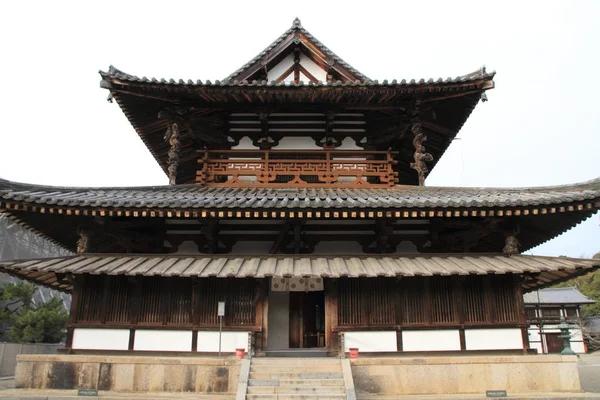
[296, 379]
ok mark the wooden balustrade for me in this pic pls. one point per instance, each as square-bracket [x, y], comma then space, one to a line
[292, 168]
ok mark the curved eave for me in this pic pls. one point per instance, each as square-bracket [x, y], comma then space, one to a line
[555, 209]
[58, 273]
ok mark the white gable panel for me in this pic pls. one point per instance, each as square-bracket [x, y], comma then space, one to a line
[280, 68]
[303, 77]
[313, 68]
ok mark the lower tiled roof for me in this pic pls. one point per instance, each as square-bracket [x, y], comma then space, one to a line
[196, 197]
[568, 295]
[544, 270]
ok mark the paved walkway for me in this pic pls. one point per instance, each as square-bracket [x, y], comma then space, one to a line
[589, 372]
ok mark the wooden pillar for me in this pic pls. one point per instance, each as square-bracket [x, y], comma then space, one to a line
[131, 339]
[520, 305]
[399, 302]
[260, 314]
[458, 304]
[331, 314]
[69, 339]
[78, 285]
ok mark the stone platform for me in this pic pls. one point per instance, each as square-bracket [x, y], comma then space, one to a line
[128, 374]
[527, 375]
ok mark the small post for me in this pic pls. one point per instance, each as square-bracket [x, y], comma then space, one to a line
[221, 313]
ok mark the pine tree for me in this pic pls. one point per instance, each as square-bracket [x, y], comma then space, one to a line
[30, 323]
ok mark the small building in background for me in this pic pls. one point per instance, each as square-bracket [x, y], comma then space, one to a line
[545, 309]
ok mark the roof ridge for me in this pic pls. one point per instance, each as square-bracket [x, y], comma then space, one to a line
[296, 26]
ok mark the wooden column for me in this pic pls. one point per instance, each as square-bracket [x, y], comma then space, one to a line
[458, 294]
[398, 300]
[331, 314]
[517, 280]
[260, 314]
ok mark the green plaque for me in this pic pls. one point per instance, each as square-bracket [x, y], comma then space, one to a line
[495, 393]
[87, 392]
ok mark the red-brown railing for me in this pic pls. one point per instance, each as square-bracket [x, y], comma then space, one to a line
[292, 168]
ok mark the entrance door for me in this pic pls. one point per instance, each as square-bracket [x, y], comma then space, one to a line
[554, 343]
[307, 319]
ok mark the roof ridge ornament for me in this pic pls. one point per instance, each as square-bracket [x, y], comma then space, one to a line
[297, 23]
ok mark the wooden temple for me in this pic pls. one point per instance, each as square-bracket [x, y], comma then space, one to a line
[296, 195]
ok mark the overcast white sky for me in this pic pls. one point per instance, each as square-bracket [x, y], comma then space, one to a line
[540, 126]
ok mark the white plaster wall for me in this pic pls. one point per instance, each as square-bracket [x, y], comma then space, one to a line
[313, 68]
[280, 68]
[101, 339]
[297, 143]
[245, 144]
[493, 339]
[159, 340]
[442, 340]
[373, 341]
[577, 344]
[208, 341]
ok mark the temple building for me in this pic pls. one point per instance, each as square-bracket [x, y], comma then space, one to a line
[297, 196]
[546, 309]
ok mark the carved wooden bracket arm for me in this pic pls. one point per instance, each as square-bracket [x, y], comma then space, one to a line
[172, 137]
[421, 157]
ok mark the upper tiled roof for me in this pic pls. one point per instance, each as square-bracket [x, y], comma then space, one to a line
[194, 196]
[114, 73]
[568, 295]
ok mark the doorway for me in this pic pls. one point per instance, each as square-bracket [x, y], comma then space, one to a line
[554, 343]
[296, 320]
[307, 320]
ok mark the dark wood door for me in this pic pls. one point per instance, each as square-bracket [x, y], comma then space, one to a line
[554, 343]
[296, 319]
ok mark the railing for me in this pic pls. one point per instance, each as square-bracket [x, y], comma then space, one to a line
[291, 168]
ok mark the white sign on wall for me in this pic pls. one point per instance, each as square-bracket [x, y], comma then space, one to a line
[221, 309]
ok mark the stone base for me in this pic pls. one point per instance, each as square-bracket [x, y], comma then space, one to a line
[128, 374]
[401, 376]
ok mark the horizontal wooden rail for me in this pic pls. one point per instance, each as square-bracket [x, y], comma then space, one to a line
[290, 168]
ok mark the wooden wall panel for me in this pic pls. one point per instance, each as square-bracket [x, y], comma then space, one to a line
[367, 302]
[428, 301]
[171, 301]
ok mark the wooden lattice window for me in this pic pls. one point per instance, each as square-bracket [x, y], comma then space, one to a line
[90, 304]
[366, 302]
[118, 302]
[474, 299]
[413, 292]
[442, 304]
[505, 303]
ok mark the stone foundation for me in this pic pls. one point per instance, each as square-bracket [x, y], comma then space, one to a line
[396, 376]
[128, 373]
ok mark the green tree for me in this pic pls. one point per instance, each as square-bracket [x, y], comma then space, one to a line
[589, 285]
[29, 323]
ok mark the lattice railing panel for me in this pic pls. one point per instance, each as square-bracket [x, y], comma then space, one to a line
[289, 168]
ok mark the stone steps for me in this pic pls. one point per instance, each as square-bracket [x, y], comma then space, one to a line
[295, 396]
[296, 375]
[296, 379]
